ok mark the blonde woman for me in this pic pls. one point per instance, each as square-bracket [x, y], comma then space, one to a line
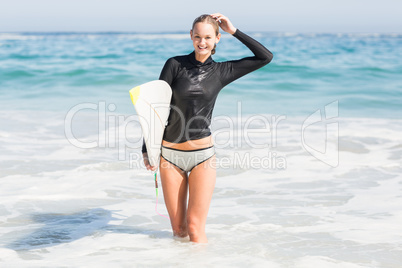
[187, 165]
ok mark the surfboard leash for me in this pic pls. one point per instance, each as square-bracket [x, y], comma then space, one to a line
[157, 194]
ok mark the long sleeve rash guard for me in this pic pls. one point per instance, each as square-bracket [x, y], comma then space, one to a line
[196, 85]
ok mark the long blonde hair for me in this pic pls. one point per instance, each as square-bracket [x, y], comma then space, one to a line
[208, 19]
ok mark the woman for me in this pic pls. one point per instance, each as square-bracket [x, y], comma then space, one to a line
[187, 163]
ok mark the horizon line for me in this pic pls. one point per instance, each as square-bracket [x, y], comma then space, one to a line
[186, 32]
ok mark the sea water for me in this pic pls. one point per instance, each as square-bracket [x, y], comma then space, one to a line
[309, 154]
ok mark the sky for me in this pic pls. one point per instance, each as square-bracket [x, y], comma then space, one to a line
[366, 16]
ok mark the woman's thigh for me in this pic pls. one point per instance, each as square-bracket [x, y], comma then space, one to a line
[201, 186]
[174, 185]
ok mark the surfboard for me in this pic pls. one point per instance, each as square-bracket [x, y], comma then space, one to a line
[152, 104]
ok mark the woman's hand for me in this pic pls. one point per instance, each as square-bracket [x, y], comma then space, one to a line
[224, 23]
[146, 162]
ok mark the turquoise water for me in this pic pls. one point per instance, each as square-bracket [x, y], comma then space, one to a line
[55, 71]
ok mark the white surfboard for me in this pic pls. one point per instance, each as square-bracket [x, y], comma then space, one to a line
[151, 101]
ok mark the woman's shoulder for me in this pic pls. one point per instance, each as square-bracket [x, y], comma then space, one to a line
[178, 58]
[177, 61]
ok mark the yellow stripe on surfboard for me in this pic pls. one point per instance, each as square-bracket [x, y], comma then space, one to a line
[135, 94]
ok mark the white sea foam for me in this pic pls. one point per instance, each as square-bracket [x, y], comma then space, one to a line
[18, 36]
[62, 204]
[37, 36]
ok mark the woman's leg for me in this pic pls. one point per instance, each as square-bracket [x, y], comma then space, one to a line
[201, 186]
[174, 185]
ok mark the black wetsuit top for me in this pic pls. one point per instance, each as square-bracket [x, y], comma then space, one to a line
[195, 87]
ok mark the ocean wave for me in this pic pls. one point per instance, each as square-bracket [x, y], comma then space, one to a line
[332, 34]
[92, 36]
[375, 69]
[184, 36]
[16, 74]
[331, 67]
[19, 36]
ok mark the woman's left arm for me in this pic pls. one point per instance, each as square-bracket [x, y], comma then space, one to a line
[260, 52]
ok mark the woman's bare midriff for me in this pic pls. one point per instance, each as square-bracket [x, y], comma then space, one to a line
[191, 144]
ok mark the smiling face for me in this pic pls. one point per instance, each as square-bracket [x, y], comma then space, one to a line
[204, 39]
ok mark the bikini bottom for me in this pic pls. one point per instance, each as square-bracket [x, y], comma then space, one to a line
[186, 160]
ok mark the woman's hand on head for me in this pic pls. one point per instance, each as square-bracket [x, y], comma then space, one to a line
[146, 162]
[224, 23]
